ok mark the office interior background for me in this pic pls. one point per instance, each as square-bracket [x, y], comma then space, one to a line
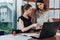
[10, 10]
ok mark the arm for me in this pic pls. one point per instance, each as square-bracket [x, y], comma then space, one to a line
[23, 29]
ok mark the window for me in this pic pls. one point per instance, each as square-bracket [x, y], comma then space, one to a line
[7, 12]
[53, 4]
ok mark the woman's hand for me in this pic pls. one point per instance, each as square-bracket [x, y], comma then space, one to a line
[39, 26]
[34, 25]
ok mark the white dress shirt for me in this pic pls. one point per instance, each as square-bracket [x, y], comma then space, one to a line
[43, 17]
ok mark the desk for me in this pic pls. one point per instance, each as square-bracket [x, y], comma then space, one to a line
[20, 37]
[14, 37]
[50, 38]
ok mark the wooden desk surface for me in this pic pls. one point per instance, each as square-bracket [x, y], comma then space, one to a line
[50, 38]
[56, 37]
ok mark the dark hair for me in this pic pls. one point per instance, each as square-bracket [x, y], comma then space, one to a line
[40, 1]
[25, 7]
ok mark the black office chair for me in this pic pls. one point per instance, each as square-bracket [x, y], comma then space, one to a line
[1, 32]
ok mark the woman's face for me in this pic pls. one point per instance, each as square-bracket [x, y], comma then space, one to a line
[40, 5]
[29, 11]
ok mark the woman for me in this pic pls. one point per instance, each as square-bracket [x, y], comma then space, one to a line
[25, 20]
[42, 14]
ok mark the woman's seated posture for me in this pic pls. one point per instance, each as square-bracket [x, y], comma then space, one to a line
[25, 19]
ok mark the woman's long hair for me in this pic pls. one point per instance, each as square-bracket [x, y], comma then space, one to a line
[25, 7]
[45, 8]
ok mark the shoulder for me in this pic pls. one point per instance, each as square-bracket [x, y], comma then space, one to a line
[48, 12]
[20, 18]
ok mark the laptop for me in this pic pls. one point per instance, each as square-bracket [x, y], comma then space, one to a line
[49, 29]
